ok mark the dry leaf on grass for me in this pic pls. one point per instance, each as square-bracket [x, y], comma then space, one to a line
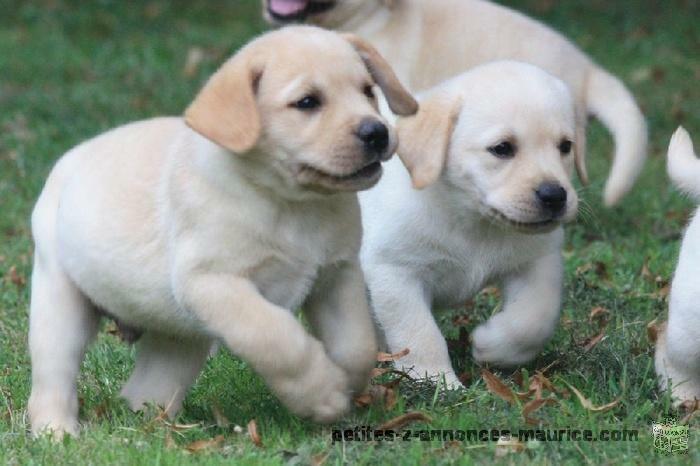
[497, 387]
[387, 357]
[532, 406]
[378, 393]
[378, 372]
[599, 314]
[654, 329]
[404, 420]
[506, 446]
[587, 404]
[591, 342]
[15, 278]
[364, 400]
[320, 459]
[691, 408]
[202, 445]
[253, 432]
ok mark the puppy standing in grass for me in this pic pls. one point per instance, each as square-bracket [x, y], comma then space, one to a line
[218, 226]
[678, 344]
[494, 149]
[428, 41]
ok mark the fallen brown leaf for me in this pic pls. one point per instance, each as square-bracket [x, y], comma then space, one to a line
[201, 445]
[387, 357]
[587, 404]
[532, 406]
[691, 408]
[378, 372]
[461, 321]
[599, 314]
[253, 432]
[497, 387]
[593, 341]
[506, 446]
[320, 459]
[364, 400]
[404, 420]
[15, 278]
[654, 328]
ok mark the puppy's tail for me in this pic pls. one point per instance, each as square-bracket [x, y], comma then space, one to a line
[683, 165]
[610, 101]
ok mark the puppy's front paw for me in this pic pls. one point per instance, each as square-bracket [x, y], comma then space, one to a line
[496, 343]
[48, 416]
[319, 391]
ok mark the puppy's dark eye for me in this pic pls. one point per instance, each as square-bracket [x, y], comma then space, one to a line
[503, 150]
[368, 91]
[309, 102]
[565, 147]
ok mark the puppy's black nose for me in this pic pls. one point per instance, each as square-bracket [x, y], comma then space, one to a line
[375, 136]
[552, 197]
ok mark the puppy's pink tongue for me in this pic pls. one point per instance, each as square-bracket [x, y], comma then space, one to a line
[287, 7]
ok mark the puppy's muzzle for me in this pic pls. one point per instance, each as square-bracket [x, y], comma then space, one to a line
[375, 138]
[552, 198]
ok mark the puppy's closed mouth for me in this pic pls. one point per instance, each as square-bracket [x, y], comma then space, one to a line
[296, 10]
[364, 178]
[540, 226]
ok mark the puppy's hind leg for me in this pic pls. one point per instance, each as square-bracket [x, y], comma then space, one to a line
[165, 369]
[529, 317]
[62, 323]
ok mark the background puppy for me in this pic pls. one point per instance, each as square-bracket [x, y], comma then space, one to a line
[219, 226]
[429, 41]
[678, 344]
[495, 149]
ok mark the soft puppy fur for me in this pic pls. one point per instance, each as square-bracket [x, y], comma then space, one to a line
[494, 150]
[216, 227]
[678, 343]
[430, 41]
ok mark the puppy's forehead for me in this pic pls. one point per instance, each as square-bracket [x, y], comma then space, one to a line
[312, 54]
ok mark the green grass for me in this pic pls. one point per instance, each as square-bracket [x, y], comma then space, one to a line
[70, 69]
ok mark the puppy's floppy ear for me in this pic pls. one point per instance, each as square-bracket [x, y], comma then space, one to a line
[399, 99]
[424, 138]
[225, 110]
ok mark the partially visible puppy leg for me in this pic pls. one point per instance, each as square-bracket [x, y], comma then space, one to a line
[532, 300]
[62, 323]
[339, 314]
[677, 359]
[293, 363]
[403, 312]
[165, 369]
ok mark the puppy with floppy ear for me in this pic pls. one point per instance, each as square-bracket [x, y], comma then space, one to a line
[430, 41]
[494, 151]
[217, 227]
[678, 343]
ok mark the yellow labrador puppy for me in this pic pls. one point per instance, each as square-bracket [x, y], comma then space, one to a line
[494, 150]
[678, 346]
[218, 226]
[428, 41]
